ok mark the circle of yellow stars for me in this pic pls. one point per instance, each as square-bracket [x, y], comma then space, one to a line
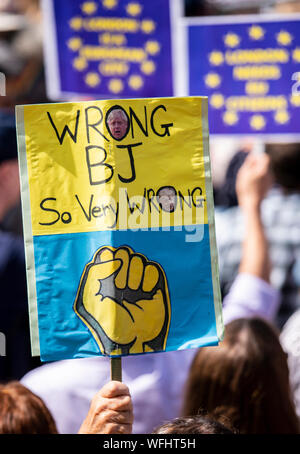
[114, 68]
[213, 80]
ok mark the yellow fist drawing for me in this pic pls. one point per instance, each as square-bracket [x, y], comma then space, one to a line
[123, 299]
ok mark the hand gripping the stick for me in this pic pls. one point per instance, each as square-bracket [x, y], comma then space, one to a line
[123, 298]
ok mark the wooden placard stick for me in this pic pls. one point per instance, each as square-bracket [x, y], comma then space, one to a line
[116, 368]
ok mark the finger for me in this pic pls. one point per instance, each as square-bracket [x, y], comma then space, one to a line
[116, 320]
[113, 428]
[151, 276]
[135, 274]
[117, 405]
[103, 270]
[121, 278]
[114, 389]
[118, 417]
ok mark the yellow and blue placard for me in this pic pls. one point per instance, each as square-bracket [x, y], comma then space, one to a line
[119, 227]
[109, 48]
[249, 67]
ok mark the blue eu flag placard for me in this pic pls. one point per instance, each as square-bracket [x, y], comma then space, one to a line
[249, 67]
[109, 48]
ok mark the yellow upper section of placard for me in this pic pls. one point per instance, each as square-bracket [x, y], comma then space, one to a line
[123, 164]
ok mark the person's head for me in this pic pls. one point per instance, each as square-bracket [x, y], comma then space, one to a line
[117, 123]
[166, 197]
[285, 164]
[22, 412]
[197, 424]
[245, 379]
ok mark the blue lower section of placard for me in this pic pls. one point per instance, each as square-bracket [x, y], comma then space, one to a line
[60, 261]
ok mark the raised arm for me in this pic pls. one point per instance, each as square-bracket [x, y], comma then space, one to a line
[251, 294]
[253, 182]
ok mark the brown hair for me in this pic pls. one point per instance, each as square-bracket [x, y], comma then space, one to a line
[245, 379]
[22, 412]
[197, 424]
[285, 164]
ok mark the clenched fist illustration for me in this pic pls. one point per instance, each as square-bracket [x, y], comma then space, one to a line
[123, 299]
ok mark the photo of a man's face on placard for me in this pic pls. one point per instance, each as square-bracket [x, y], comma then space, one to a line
[166, 197]
[117, 122]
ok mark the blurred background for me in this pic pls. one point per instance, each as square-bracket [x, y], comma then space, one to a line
[22, 64]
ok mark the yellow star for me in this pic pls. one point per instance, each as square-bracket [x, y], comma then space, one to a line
[231, 39]
[109, 4]
[76, 23]
[212, 80]
[135, 82]
[79, 63]
[74, 43]
[281, 117]
[217, 100]
[92, 79]
[256, 32]
[284, 38]
[230, 117]
[216, 58]
[295, 100]
[148, 26]
[152, 47]
[296, 54]
[257, 122]
[134, 9]
[148, 67]
[89, 7]
[115, 85]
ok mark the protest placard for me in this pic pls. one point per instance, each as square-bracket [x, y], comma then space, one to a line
[111, 48]
[249, 67]
[119, 227]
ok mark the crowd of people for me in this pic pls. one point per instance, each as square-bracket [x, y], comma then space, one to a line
[248, 384]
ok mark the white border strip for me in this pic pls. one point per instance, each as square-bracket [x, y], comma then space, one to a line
[240, 19]
[28, 239]
[50, 51]
[211, 221]
[179, 48]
